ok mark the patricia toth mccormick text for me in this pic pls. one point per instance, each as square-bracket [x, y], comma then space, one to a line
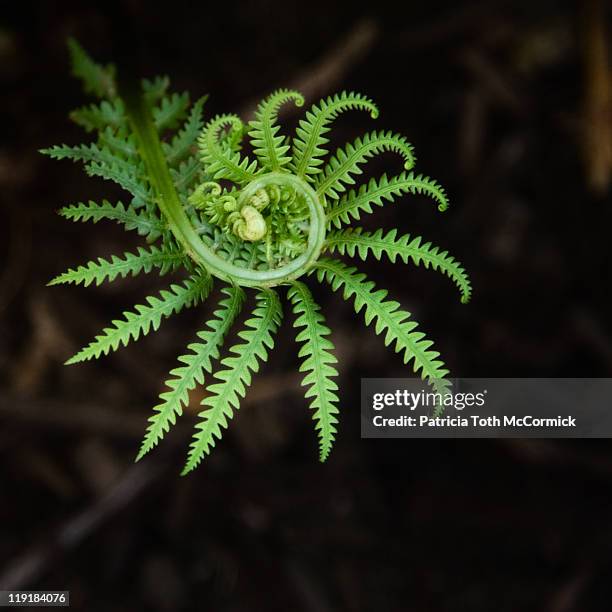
[478, 408]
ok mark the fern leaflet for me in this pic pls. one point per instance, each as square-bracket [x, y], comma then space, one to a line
[181, 145]
[195, 364]
[98, 80]
[223, 162]
[170, 111]
[309, 140]
[317, 363]
[147, 316]
[345, 162]
[225, 395]
[132, 263]
[270, 147]
[352, 204]
[143, 222]
[387, 317]
[353, 241]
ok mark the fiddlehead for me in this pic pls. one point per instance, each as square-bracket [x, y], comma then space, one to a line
[206, 207]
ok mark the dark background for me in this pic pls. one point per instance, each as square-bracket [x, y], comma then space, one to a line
[506, 104]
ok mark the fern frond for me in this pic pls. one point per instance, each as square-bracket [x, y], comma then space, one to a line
[171, 111]
[123, 145]
[98, 80]
[86, 153]
[129, 176]
[195, 365]
[346, 161]
[155, 89]
[182, 144]
[270, 147]
[377, 192]
[309, 139]
[356, 241]
[185, 176]
[142, 221]
[146, 317]
[317, 363]
[223, 162]
[144, 260]
[225, 395]
[100, 116]
[386, 315]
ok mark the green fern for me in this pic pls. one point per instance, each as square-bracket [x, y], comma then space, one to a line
[350, 206]
[132, 264]
[146, 318]
[317, 363]
[198, 362]
[308, 145]
[269, 147]
[206, 208]
[141, 221]
[225, 395]
[386, 315]
[356, 241]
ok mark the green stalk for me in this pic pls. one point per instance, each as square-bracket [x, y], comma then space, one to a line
[140, 117]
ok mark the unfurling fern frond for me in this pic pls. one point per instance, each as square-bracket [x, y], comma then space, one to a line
[387, 316]
[318, 360]
[258, 223]
[98, 80]
[144, 222]
[267, 144]
[195, 365]
[309, 141]
[131, 264]
[352, 241]
[376, 192]
[346, 161]
[147, 316]
[223, 162]
[233, 380]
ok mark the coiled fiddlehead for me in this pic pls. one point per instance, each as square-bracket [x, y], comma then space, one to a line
[259, 222]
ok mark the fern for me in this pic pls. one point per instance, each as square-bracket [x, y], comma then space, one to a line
[406, 248]
[223, 162]
[195, 364]
[317, 364]
[146, 318]
[206, 208]
[308, 146]
[346, 161]
[143, 222]
[267, 144]
[386, 315]
[107, 114]
[225, 395]
[170, 111]
[97, 79]
[182, 144]
[131, 264]
[375, 193]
